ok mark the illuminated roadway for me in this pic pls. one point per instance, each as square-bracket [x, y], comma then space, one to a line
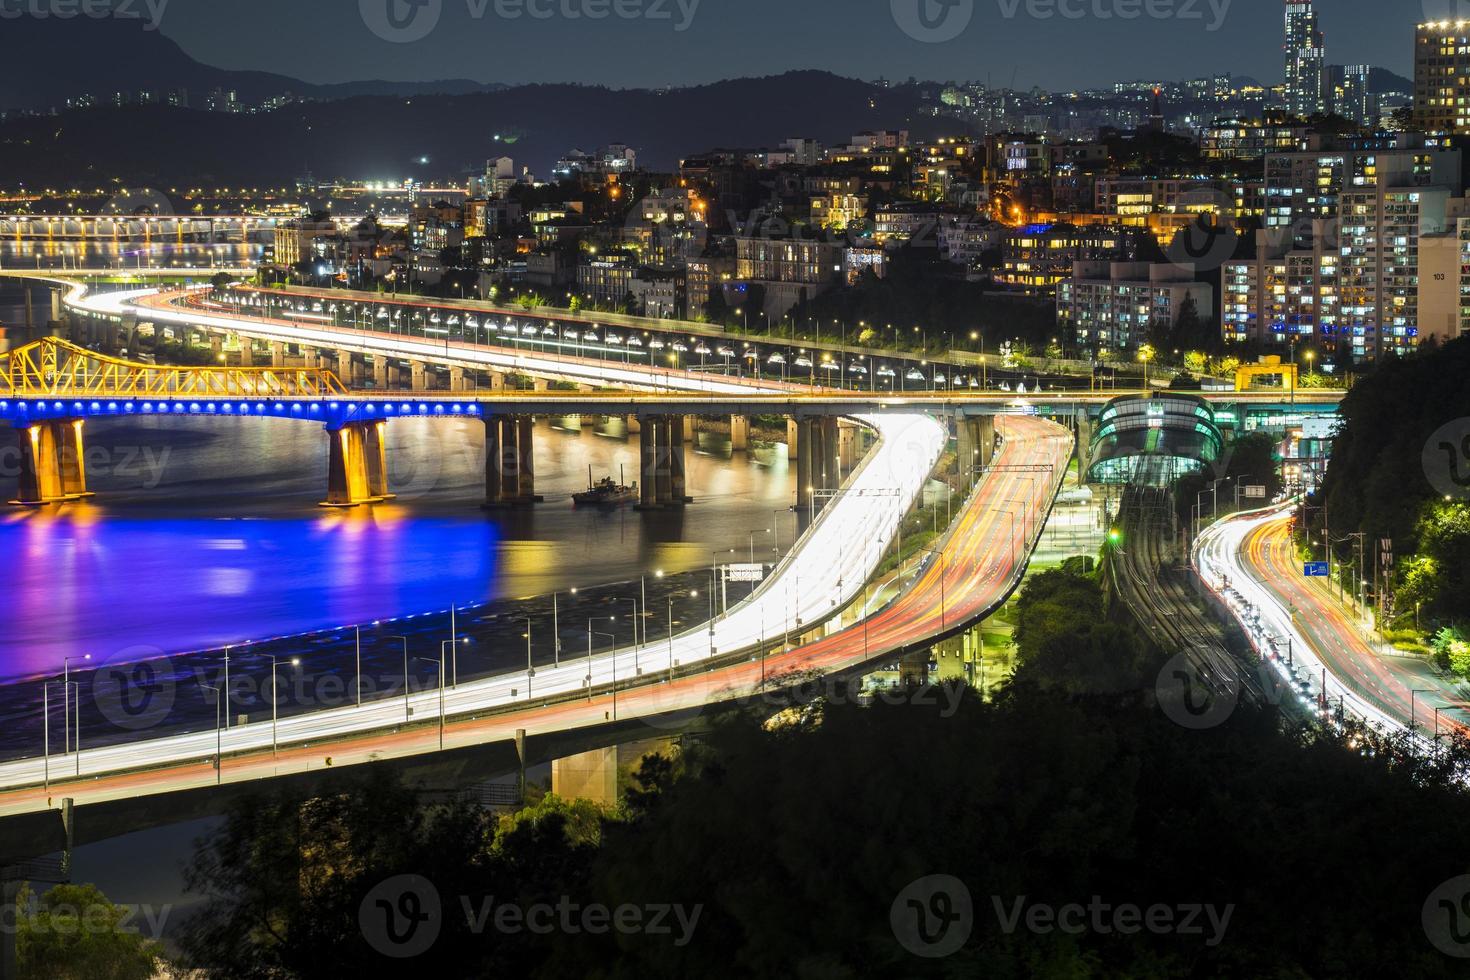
[1255, 553]
[825, 572]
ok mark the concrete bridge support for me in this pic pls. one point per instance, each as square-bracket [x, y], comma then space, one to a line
[975, 445]
[663, 480]
[380, 372]
[53, 463]
[357, 465]
[510, 476]
[247, 352]
[278, 354]
[792, 434]
[217, 346]
[819, 458]
[457, 381]
[635, 425]
[739, 433]
[418, 375]
[587, 776]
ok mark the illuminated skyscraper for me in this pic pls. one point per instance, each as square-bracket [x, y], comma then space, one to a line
[1441, 76]
[1305, 60]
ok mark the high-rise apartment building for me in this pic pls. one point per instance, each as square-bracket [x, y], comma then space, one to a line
[1306, 57]
[1442, 76]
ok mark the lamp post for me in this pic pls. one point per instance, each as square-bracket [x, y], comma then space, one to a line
[636, 616]
[1413, 694]
[66, 700]
[943, 572]
[407, 711]
[227, 686]
[530, 668]
[693, 595]
[440, 664]
[219, 754]
[752, 541]
[276, 699]
[590, 634]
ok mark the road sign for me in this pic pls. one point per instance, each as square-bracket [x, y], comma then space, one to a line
[745, 573]
[1257, 493]
[1316, 569]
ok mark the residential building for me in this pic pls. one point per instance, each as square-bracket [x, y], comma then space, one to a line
[1109, 308]
[1037, 257]
[1442, 76]
[1306, 58]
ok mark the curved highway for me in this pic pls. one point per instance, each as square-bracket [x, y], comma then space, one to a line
[979, 562]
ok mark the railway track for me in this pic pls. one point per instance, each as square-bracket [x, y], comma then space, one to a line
[1147, 572]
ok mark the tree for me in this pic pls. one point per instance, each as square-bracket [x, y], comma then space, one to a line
[74, 933]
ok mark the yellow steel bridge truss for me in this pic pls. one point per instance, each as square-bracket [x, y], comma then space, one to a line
[56, 367]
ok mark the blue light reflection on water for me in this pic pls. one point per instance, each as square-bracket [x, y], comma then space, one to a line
[78, 586]
[205, 532]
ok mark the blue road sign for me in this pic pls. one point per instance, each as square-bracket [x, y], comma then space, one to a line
[1316, 569]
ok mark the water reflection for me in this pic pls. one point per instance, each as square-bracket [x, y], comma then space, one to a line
[206, 532]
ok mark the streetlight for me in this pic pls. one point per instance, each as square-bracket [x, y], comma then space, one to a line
[407, 711]
[943, 571]
[590, 634]
[693, 594]
[219, 754]
[1412, 695]
[530, 669]
[752, 541]
[440, 662]
[452, 656]
[66, 701]
[275, 697]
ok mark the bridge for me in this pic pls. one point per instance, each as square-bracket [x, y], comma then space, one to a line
[816, 596]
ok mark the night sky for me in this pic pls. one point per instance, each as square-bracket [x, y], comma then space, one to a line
[1004, 41]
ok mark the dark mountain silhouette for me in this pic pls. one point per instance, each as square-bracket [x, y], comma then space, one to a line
[62, 59]
[382, 138]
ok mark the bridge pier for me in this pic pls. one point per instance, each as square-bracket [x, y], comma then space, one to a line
[278, 354]
[663, 480]
[587, 776]
[974, 445]
[53, 463]
[831, 477]
[419, 375]
[357, 465]
[805, 478]
[792, 433]
[457, 379]
[380, 372]
[247, 352]
[510, 477]
[739, 433]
